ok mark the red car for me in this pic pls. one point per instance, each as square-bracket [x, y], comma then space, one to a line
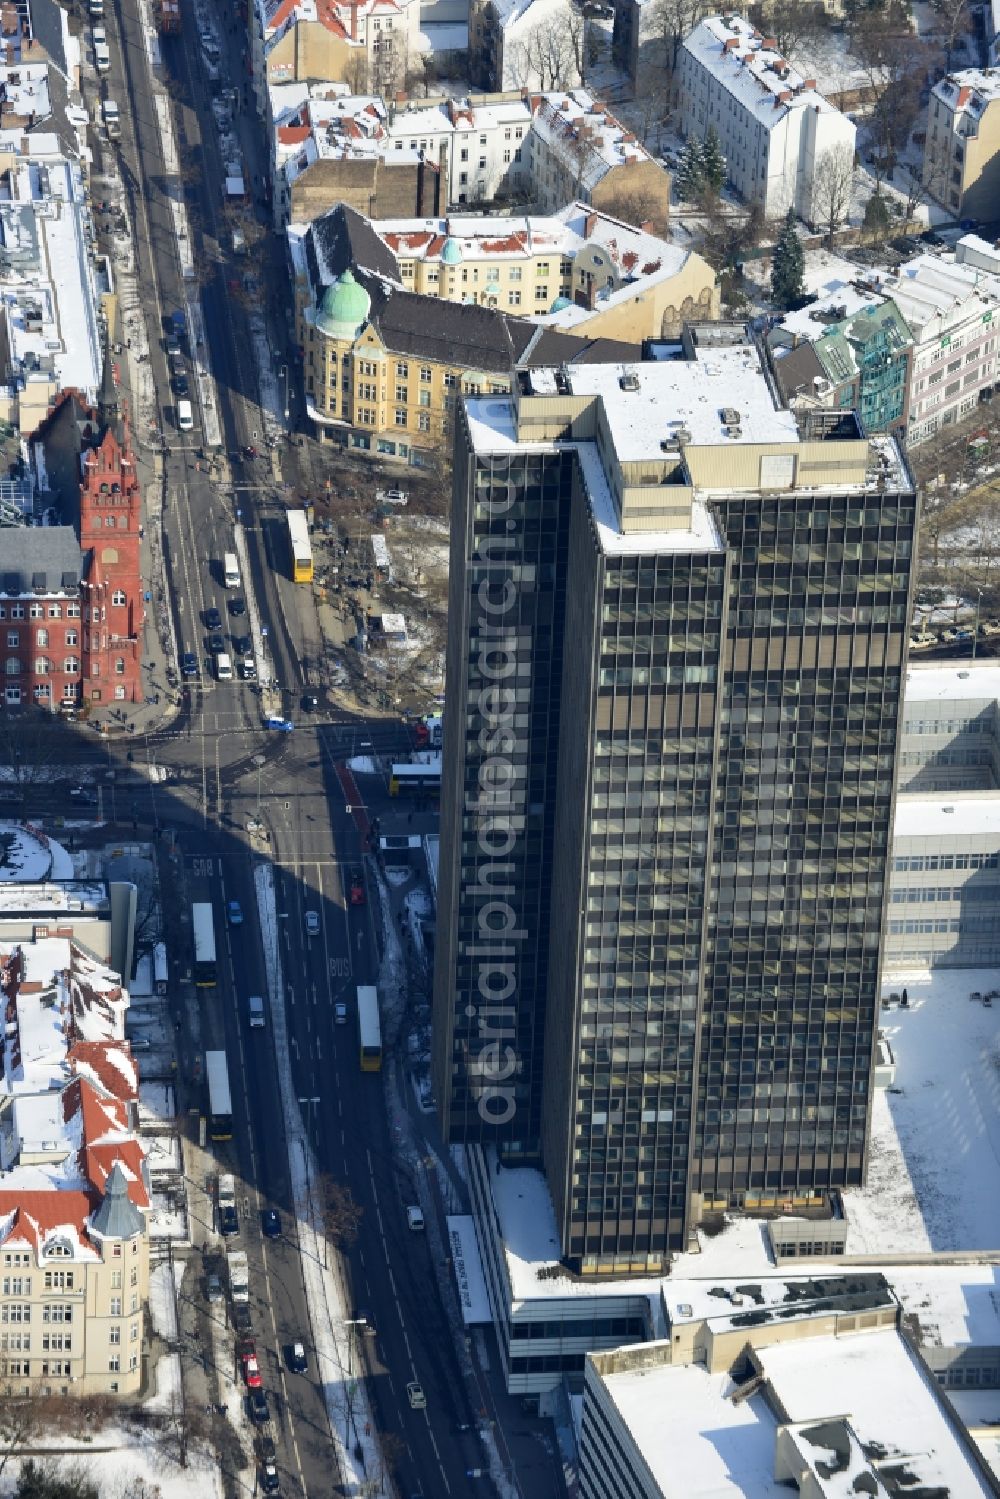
[357, 888]
[251, 1372]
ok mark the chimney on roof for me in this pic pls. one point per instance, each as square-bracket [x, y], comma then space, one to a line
[628, 138]
[646, 226]
[770, 43]
[590, 225]
[782, 98]
[808, 83]
[730, 44]
[354, 20]
[963, 96]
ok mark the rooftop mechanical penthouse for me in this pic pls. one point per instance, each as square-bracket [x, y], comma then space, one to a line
[678, 619]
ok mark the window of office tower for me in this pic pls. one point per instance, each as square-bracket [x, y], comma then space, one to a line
[647, 855]
[818, 610]
[515, 586]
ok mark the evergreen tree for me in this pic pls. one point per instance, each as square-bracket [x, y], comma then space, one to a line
[788, 266]
[877, 216]
[690, 180]
[713, 162]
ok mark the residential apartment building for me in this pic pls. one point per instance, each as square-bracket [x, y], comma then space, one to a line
[677, 627]
[962, 149]
[440, 153]
[74, 1249]
[384, 368]
[840, 357]
[775, 127]
[366, 45]
[585, 269]
[953, 313]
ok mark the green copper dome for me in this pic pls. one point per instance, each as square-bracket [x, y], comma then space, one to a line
[344, 309]
[451, 252]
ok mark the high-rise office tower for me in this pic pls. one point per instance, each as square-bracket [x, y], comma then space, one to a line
[677, 630]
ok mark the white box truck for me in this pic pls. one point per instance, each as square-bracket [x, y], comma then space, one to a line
[239, 1275]
[231, 570]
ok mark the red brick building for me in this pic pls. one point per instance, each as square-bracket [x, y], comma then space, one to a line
[71, 597]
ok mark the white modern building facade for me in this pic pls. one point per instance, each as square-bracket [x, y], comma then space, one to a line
[954, 316]
[774, 126]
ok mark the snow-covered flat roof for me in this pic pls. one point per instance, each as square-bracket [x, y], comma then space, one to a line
[959, 815]
[955, 1304]
[720, 1301]
[890, 1403]
[28, 897]
[980, 682]
[696, 1442]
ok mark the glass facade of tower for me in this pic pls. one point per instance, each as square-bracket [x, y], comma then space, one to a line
[662, 970]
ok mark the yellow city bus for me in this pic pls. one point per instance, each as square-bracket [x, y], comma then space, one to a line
[301, 549]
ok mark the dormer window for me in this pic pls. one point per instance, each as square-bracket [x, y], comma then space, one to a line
[58, 1249]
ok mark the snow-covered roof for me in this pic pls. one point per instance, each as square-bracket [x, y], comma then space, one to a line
[694, 1439]
[752, 70]
[957, 815]
[975, 681]
[584, 135]
[969, 91]
[42, 213]
[933, 293]
[631, 253]
[891, 1405]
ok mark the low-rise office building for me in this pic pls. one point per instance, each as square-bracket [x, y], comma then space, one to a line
[826, 1403]
[854, 353]
[962, 149]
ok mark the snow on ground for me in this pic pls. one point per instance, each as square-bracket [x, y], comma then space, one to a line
[163, 1152]
[162, 1300]
[935, 1148]
[166, 1221]
[141, 986]
[167, 1378]
[398, 877]
[115, 1458]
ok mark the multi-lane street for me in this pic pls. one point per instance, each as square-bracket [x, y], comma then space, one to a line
[216, 768]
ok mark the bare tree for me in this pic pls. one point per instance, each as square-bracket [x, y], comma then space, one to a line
[356, 71]
[544, 55]
[833, 184]
[181, 1427]
[20, 1421]
[636, 208]
[895, 64]
[670, 21]
[790, 22]
[138, 1488]
[956, 18]
[341, 1215]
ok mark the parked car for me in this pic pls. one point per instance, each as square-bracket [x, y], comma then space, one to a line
[234, 913]
[258, 1407]
[270, 1223]
[242, 1317]
[270, 1483]
[297, 1361]
[251, 1373]
[213, 1288]
[180, 384]
[367, 1322]
[213, 619]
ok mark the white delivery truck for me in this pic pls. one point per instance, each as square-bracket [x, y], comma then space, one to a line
[112, 119]
[231, 570]
[239, 1275]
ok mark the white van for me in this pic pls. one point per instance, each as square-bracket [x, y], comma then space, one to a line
[231, 570]
[112, 119]
[255, 1007]
[102, 57]
[415, 1220]
[185, 416]
[223, 667]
